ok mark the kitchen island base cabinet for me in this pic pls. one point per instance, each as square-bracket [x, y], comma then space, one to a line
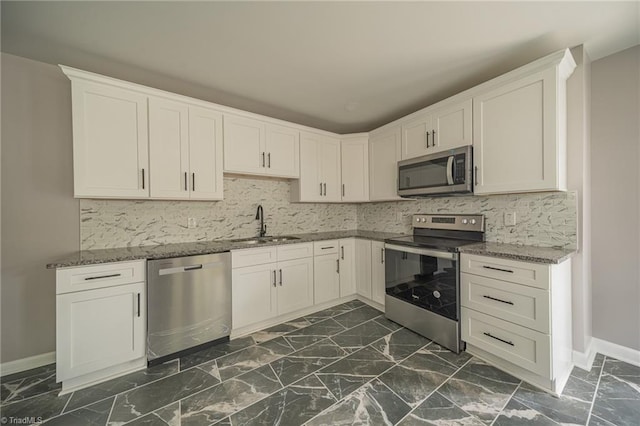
[100, 331]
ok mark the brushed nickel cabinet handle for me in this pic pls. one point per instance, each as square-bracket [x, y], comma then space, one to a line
[433, 138]
[427, 139]
[193, 181]
[185, 181]
[142, 178]
[338, 266]
[320, 188]
[280, 277]
[263, 159]
[269, 160]
[274, 277]
[138, 305]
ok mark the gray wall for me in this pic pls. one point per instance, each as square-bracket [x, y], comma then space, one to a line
[615, 166]
[40, 218]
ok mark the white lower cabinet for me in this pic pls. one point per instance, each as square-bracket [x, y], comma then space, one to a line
[101, 328]
[370, 270]
[377, 272]
[347, 267]
[517, 315]
[326, 277]
[263, 289]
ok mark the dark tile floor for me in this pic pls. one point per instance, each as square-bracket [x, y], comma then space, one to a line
[344, 365]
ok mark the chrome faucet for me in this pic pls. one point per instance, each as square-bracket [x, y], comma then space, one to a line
[263, 227]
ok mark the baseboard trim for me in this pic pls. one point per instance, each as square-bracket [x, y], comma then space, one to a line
[20, 365]
[584, 360]
[613, 350]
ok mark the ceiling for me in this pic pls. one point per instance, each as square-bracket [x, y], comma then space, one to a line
[339, 66]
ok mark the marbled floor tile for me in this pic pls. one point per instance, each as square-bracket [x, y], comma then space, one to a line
[627, 372]
[372, 404]
[214, 352]
[597, 421]
[45, 370]
[388, 323]
[617, 400]
[438, 410]
[328, 313]
[228, 397]
[305, 361]
[293, 405]
[93, 415]
[224, 422]
[277, 331]
[357, 316]
[314, 333]
[250, 358]
[360, 335]
[150, 397]
[579, 390]
[29, 386]
[561, 410]
[517, 414]
[118, 385]
[43, 406]
[354, 304]
[166, 416]
[592, 375]
[417, 376]
[210, 368]
[480, 389]
[400, 344]
[348, 374]
[453, 358]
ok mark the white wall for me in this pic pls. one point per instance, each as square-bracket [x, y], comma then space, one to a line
[615, 153]
[40, 218]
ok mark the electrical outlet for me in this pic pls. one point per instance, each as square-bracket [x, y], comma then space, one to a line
[191, 222]
[510, 218]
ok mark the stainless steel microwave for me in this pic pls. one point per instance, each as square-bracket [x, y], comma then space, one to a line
[444, 173]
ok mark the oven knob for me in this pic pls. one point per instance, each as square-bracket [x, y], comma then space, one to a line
[473, 221]
[417, 219]
[464, 221]
[424, 220]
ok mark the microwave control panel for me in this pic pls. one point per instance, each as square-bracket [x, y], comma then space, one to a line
[459, 168]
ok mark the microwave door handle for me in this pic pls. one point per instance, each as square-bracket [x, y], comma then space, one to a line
[450, 170]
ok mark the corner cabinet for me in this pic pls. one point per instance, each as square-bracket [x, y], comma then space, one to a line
[110, 141]
[256, 148]
[320, 178]
[384, 154]
[519, 127]
[355, 168]
[517, 315]
[100, 322]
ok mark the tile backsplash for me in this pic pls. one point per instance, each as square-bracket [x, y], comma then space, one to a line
[545, 219]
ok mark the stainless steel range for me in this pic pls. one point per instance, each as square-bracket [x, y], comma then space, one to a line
[422, 275]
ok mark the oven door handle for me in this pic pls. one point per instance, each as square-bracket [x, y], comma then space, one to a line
[421, 251]
[450, 170]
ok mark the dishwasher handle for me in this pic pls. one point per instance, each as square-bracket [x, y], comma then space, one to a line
[183, 269]
[191, 268]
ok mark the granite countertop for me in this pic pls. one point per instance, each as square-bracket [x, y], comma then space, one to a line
[522, 253]
[163, 251]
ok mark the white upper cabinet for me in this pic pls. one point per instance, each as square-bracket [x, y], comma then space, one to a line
[439, 127]
[355, 169]
[110, 141]
[185, 151]
[520, 131]
[384, 154]
[320, 178]
[257, 148]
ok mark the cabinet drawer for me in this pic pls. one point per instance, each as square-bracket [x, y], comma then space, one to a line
[516, 303]
[295, 251]
[521, 346]
[531, 274]
[253, 256]
[325, 247]
[99, 276]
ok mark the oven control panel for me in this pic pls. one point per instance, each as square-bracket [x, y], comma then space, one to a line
[463, 222]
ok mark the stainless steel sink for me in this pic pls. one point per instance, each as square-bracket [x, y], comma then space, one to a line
[263, 240]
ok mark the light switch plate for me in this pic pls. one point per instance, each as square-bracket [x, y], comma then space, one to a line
[510, 218]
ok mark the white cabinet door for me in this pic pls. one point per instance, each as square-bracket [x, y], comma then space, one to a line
[377, 272]
[384, 154]
[283, 151]
[110, 142]
[99, 328]
[168, 149]
[244, 141]
[363, 267]
[295, 285]
[355, 169]
[516, 137]
[205, 154]
[347, 263]
[416, 137]
[452, 126]
[309, 186]
[253, 296]
[330, 169]
[326, 284]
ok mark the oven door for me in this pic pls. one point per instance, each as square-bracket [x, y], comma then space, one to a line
[425, 278]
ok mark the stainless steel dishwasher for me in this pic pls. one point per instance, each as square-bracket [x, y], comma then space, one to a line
[188, 304]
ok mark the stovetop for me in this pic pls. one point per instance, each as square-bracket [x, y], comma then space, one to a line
[444, 244]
